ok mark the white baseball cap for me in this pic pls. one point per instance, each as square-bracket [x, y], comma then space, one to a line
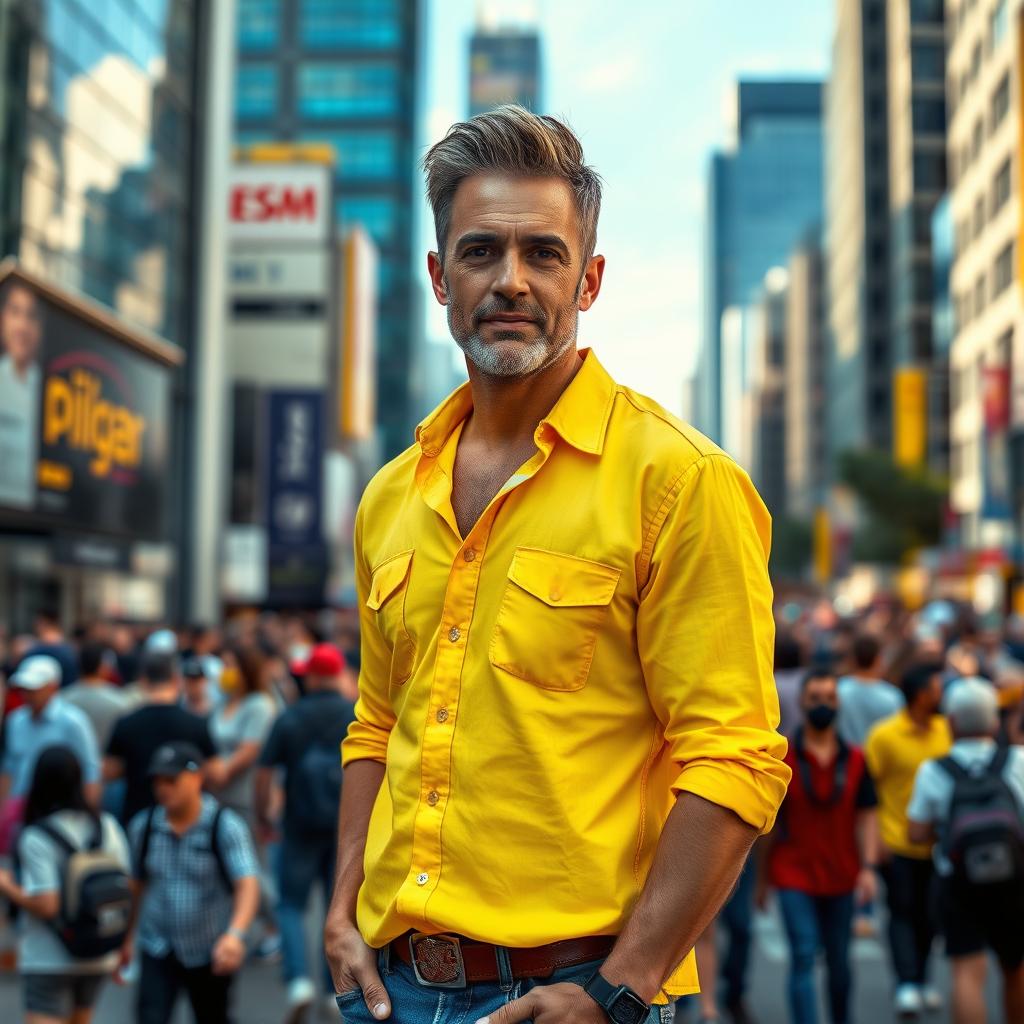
[161, 641]
[37, 671]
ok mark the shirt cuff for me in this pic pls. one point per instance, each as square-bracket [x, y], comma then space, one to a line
[754, 795]
[365, 742]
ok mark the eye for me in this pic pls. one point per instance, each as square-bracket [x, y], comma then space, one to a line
[476, 251]
[546, 254]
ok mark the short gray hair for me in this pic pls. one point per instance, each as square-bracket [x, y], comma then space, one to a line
[972, 707]
[511, 140]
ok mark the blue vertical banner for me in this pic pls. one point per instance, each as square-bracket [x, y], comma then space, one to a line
[297, 553]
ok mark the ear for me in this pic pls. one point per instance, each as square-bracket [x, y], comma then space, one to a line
[436, 272]
[590, 286]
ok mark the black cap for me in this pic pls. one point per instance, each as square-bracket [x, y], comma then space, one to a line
[174, 758]
[192, 668]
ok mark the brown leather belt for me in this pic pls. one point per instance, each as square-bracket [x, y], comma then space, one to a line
[449, 961]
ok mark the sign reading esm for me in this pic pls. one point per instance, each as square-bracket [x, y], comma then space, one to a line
[279, 202]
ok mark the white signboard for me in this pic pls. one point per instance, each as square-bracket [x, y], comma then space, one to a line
[279, 203]
[263, 272]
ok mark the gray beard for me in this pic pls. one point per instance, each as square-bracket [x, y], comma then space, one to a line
[526, 358]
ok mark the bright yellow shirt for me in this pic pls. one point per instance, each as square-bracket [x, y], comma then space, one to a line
[894, 750]
[541, 689]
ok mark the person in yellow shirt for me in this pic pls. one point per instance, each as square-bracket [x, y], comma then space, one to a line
[565, 741]
[894, 750]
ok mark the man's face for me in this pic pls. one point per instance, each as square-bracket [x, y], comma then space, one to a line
[19, 326]
[514, 275]
[820, 691]
[174, 792]
[38, 699]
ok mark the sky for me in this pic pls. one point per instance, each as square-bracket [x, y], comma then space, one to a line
[649, 88]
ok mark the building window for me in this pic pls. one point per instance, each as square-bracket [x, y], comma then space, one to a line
[359, 24]
[1001, 187]
[975, 62]
[977, 138]
[361, 156]
[1002, 276]
[377, 214]
[929, 171]
[258, 22]
[979, 295]
[926, 61]
[929, 115]
[979, 216]
[347, 90]
[925, 11]
[999, 22]
[256, 90]
[1000, 102]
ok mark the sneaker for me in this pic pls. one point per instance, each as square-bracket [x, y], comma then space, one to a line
[268, 949]
[932, 998]
[301, 993]
[908, 1002]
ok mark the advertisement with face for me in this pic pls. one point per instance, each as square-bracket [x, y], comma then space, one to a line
[84, 417]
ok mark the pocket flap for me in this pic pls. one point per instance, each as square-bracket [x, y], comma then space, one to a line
[387, 578]
[563, 581]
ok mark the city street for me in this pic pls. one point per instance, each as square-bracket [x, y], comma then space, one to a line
[260, 994]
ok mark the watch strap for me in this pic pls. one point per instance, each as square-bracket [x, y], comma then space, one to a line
[619, 1002]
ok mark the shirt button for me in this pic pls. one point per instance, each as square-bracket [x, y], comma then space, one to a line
[432, 798]
[469, 554]
[454, 633]
[442, 715]
[422, 879]
[555, 595]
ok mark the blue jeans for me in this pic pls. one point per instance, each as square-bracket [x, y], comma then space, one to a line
[738, 915]
[301, 861]
[413, 1003]
[816, 923]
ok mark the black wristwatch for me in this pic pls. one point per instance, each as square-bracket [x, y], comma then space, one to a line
[620, 1002]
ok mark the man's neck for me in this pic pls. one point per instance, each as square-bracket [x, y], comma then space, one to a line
[821, 742]
[94, 681]
[184, 818]
[162, 695]
[506, 411]
[36, 715]
[921, 716]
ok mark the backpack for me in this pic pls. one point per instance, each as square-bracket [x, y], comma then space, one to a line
[95, 895]
[318, 779]
[984, 834]
[215, 850]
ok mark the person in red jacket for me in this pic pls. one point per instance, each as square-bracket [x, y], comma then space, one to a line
[823, 851]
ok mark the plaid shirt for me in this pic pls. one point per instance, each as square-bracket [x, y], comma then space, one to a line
[186, 906]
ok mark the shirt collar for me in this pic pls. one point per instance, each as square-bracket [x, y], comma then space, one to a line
[580, 416]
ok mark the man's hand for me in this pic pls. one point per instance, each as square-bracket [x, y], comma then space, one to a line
[124, 960]
[228, 954]
[7, 883]
[563, 1003]
[866, 890]
[354, 965]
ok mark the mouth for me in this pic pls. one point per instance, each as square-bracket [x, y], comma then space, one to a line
[506, 320]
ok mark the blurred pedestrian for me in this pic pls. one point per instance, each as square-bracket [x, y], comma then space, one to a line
[160, 720]
[972, 802]
[101, 701]
[305, 742]
[895, 749]
[197, 891]
[865, 698]
[195, 697]
[823, 851]
[789, 673]
[59, 822]
[51, 641]
[45, 720]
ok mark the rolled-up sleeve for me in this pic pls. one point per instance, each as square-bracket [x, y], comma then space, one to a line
[367, 738]
[705, 634]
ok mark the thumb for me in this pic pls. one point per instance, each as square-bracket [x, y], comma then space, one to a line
[511, 1013]
[374, 992]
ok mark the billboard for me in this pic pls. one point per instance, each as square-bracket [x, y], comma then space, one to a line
[84, 414]
[270, 202]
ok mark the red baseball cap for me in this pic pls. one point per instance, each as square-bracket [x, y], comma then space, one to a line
[323, 660]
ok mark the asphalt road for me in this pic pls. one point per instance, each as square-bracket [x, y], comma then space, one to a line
[260, 996]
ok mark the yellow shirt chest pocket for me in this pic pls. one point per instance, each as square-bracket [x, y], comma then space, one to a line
[388, 587]
[550, 616]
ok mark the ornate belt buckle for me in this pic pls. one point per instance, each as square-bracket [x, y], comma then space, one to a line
[437, 960]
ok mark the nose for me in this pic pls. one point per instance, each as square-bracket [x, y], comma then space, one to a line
[511, 280]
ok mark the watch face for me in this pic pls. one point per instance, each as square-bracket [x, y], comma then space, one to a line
[628, 1009]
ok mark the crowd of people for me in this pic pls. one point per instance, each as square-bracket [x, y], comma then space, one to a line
[905, 735]
[168, 805]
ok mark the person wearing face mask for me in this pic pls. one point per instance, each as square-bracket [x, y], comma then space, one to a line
[895, 749]
[822, 853]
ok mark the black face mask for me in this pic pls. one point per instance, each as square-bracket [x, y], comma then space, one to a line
[821, 716]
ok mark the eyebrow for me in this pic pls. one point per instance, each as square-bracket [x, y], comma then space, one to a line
[489, 237]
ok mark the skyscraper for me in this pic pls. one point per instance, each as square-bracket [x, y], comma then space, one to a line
[857, 231]
[344, 72]
[761, 198]
[113, 158]
[504, 67]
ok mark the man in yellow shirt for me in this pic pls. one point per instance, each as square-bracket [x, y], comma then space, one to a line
[566, 738]
[894, 750]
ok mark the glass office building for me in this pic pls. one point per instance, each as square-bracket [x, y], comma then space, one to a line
[761, 199]
[96, 166]
[504, 67]
[344, 72]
